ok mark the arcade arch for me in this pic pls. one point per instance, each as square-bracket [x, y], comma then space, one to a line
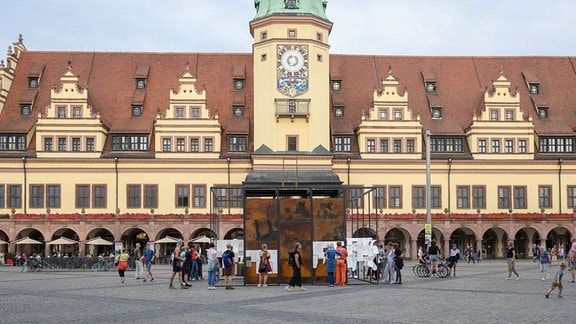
[31, 248]
[365, 232]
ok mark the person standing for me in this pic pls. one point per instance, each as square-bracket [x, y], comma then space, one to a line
[454, 257]
[330, 262]
[228, 267]
[557, 281]
[193, 274]
[138, 261]
[434, 254]
[554, 255]
[149, 257]
[176, 264]
[212, 256]
[296, 279]
[479, 259]
[122, 260]
[264, 266]
[389, 275]
[341, 264]
[561, 254]
[510, 259]
[186, 265]
[572, 258]
[470, 254]
[544, 262]
[398, 262]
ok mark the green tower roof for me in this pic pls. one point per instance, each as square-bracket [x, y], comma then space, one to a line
[265, 8]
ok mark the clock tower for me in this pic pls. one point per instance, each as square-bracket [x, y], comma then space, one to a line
[291, 75]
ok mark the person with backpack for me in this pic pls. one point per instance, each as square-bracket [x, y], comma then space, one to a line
[228, 266]
[296, 258]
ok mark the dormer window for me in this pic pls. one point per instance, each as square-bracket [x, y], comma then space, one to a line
[543, 112]
[238, 111]
[291, 4]
[292, 33]
[61, 112]
[338, 111]
[436, 113]
[77, 112]
[140, 83]
[336, 85]
[430, 87]
[238, 84]
[534, 88]
[25, 109]
[33, 82]
[136, 111]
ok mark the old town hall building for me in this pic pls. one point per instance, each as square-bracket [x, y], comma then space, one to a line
[139, 146]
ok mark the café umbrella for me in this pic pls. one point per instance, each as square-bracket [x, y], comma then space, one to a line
[98, 241]
[27, 240]
[62, 240]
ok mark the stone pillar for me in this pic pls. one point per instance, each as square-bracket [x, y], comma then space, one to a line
[413, 250]
[446, 249]
[478, 246]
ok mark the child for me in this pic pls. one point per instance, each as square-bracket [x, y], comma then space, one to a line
[557, 281]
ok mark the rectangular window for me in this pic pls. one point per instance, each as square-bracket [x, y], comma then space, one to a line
[134, 196]
[504, 197]
[495, 146]
[384, 145]
[76, 144]
[195, 112]
[545, 196]
[571, 196]
[136, 111]
[14, 196]
[418, 197]
[371, 146]
[342, 144]
[494, 115]
[140, 83]
[237, 143]
[77, 112]
[463, 197]
[36, 196]
[481, 146]
[90, 147]
[379, 197]
[99, 196]
[237, 199]
[129, 143]
[410, 146]
[150, 196]
[478, 197]
[48, 146]
[12, 143]
[292, 143]
[395, 198]
[61, 112]
[166, 145]
[208, 145]
[195, 145]
[383, 114]
[221, 197]
[397, 146]
[355, 196]
[199, 196]
[179, 112]
[238, 84]
[436, 196]
[53, 196]
[521, 146]
[556, 144]
[180, 144]
[509, 146]
[182, 195]
[397, 114]
[509, 114]
[446, 144]
[25, 109]
[520, 197]
[2, 195]
[82, 196]
[62, 144]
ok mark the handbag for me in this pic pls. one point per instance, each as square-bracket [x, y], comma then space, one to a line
[262, 267]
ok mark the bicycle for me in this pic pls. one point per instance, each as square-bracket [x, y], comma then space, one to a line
[101, 265]
[423, 270]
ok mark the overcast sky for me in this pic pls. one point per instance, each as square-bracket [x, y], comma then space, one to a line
[383, 27]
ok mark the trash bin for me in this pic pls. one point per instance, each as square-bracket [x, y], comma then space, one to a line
[240, 268]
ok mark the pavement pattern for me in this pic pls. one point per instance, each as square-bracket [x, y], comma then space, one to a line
[478, 294]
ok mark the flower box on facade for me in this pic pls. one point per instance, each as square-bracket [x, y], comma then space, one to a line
[560, 216]
[528, 216]
[98, 216]
[169, 216]
[464, 216]
[63, 216]
[134, 216]
[495, 216]
[231, 216]
[200, 216]
[28, 216]
[401, 216]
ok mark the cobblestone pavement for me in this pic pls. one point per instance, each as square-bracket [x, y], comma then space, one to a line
[478, 294]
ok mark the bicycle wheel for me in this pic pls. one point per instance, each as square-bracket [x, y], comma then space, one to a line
[443, 271]
[423, 271]
[95, 267]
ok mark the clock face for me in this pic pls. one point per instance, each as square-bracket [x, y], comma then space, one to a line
[292, 69]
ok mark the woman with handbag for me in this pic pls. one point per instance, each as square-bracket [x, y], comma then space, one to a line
[264, 266]
[213, 265]
[122, 263]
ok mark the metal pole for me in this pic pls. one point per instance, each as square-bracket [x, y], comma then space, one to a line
[25, 184]
[449, 190]
[116, 170]
[560, 186]
[228, 188]
[428, 227]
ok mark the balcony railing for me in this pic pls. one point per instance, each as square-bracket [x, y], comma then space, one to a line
[292, 108]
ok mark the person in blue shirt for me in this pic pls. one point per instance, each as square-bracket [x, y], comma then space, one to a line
[557, 281]
[150, 257]
[330, 261]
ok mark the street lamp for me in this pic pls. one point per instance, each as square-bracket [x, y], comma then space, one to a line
[428, 226]
[560, 185]
[228, 188]
[25, 183]
[116, 170]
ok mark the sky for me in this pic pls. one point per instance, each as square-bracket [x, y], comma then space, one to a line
[379, 27]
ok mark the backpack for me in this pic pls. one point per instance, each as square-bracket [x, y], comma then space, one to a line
[226, 260]
[291, 261]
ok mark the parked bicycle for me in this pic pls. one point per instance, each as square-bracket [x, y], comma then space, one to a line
[423, 270]
[102, 266]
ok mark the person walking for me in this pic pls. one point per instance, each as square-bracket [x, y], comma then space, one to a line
[176, 265]
[479, 259]
[138, 256]
[149, 257]
[296, 279]
[557, 281]
[186, 256]
[330, 262]
[264, 266]
[470, 254]
[213, 266]
[341, 264]
[389, 273]
[228, 263]
[544, 262]
[454, 257]
[398, 262]
[510, 259]
[572, 258]
[554, 255]
[561, 257]
[122, 260]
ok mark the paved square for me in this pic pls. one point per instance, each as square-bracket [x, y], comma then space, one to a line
[479, 294]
